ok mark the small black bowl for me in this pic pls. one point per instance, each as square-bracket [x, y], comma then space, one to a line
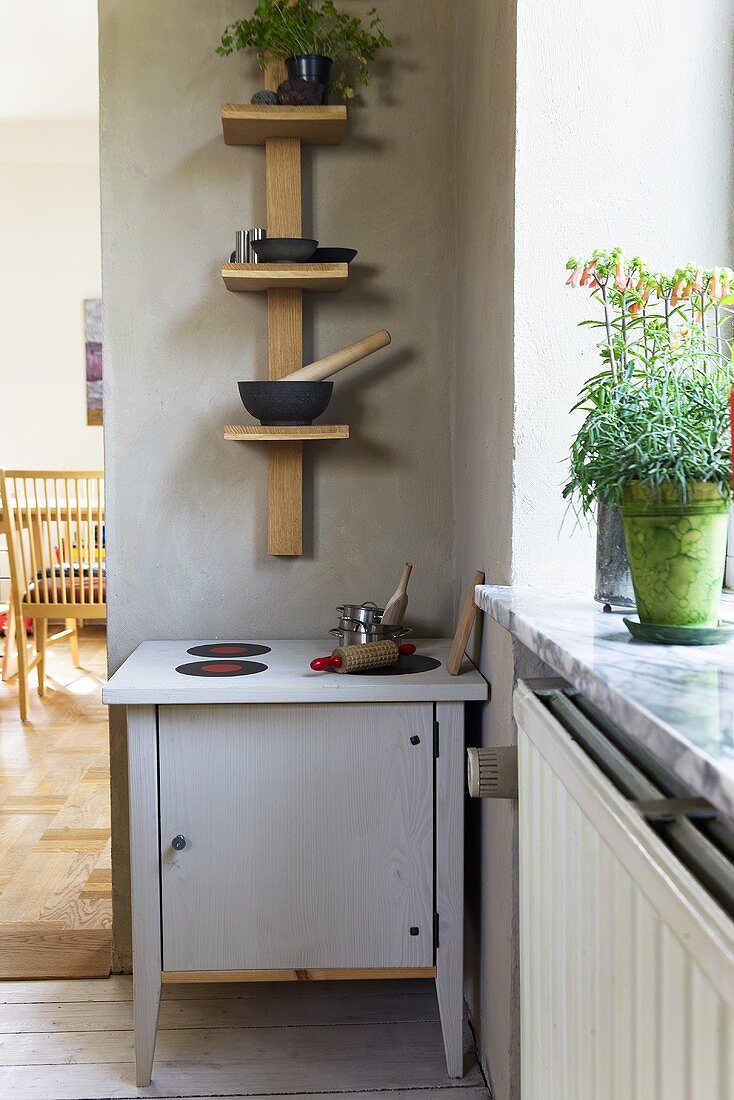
[283, 250]
[285, 403]
[333, 255]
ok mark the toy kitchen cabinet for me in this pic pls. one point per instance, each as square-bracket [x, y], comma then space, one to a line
[293, 825]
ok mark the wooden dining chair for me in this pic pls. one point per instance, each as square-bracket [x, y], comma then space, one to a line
[54, 526]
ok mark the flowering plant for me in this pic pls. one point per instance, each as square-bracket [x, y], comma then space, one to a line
[659, 410]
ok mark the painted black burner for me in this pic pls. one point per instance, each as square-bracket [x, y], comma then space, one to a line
[228, 649]
[221, 668]
[406, 666]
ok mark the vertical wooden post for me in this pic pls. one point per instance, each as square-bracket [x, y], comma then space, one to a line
[285, 333]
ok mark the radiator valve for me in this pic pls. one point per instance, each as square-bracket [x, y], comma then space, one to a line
[492, 773]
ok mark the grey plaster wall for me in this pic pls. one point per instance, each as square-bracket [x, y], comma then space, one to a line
[483, 448]
[612, 149]
[187, 529]
[187, 512]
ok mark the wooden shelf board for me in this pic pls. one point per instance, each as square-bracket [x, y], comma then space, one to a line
[254, 277]
[252, 124]
[246, 433]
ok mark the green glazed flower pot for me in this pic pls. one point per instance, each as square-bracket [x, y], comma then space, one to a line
[677, 551]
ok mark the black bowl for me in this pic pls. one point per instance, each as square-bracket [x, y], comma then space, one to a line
[333, 255]
[286, 403]
[283, 250]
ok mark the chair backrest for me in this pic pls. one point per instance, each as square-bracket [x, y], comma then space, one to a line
[54, 524]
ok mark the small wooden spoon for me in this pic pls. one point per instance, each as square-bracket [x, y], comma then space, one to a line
[397, 605]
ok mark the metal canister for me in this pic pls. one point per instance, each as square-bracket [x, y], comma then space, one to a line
[242, 246]
[257, 234]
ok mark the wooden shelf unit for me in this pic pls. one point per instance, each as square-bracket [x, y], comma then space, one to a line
[247, 433]
[252, 124]
[256, 277]
[282, 130]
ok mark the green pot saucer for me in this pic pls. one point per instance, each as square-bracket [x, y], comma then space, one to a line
[680, 635]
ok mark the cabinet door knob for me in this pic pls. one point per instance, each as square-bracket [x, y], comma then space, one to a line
[179, 842]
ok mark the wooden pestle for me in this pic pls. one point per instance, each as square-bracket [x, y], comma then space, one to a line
[338, 360]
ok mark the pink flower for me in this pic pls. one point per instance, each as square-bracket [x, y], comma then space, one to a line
[620, 279]
[573, 278]
[586, 274]
[715, 288]
[679, 291]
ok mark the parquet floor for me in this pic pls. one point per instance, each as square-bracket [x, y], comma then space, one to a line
[55, 889]
[322, 1040]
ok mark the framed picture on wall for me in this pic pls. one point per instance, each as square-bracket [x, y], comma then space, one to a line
[93, 352]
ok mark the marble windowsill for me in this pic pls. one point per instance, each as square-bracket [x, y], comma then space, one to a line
[678, 700]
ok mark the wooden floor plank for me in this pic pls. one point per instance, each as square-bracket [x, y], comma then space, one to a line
[119, 988]
[249, 1061]
[39, 949]
[315, 1045]
[272, 1008]
[55, 822]
[64, 1083]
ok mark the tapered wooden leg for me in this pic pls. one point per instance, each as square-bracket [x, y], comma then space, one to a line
[10, 654]
[450, 881]
[145, 882]
[22, 652]
[71, 624]
[147, 1003]
[40, 634]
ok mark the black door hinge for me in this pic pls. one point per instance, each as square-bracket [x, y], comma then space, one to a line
[435, 738]
[435, 930]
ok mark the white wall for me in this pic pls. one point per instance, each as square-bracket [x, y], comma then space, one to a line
[624, 124]
[49, 229]
[580, 126]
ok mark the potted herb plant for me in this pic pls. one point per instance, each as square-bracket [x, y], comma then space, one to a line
[311, 36]
[656, 438]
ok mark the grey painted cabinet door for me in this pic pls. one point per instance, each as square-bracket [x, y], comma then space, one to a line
[309, 836]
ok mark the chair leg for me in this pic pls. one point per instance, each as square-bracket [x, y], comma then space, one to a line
[40, 633]
[22, 647]
[10, 657]
[71, 624]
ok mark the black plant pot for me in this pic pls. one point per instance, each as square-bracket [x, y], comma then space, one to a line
[310, 66]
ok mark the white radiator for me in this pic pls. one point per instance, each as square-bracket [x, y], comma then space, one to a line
[627, 965]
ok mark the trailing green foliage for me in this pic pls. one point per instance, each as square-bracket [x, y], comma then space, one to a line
[310, 27]
[669, 423]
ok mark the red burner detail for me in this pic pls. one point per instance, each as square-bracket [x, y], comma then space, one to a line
[229, 650]
[218, 667]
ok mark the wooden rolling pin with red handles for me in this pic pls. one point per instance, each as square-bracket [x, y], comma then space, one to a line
[338, 360]
[360, 658]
